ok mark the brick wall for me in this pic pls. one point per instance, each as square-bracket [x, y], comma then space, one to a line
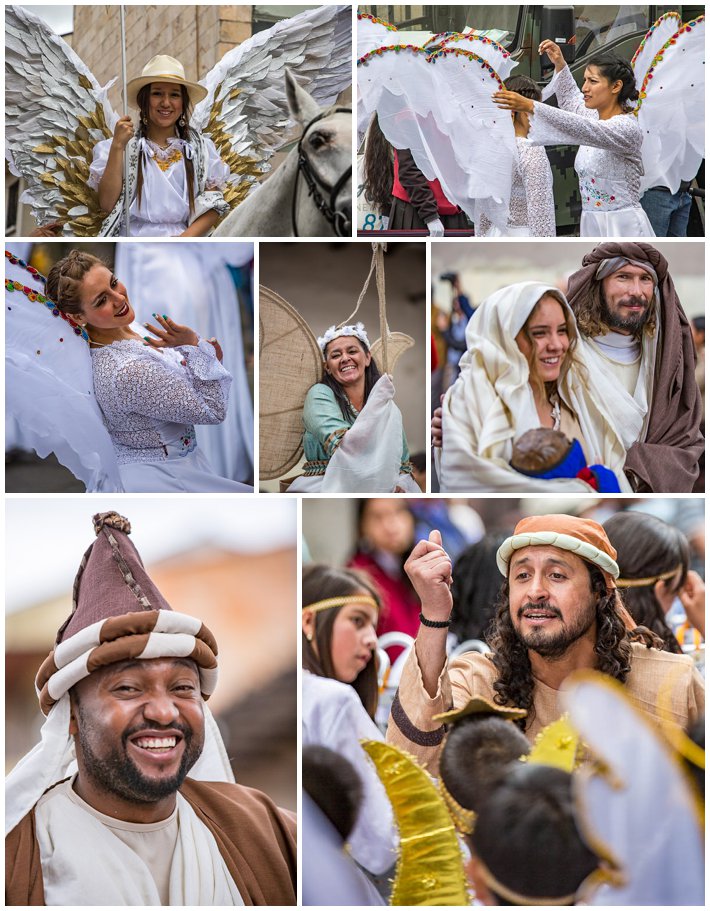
[198, 36]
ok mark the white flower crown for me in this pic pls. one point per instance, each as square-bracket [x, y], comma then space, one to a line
[358, 330]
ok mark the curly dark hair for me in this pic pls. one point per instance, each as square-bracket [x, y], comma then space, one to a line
[378, 168]
[514, 685]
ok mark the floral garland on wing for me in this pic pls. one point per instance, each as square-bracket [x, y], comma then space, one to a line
[379, 51]
[387, 25]
[469, 55]
[661, 19]
[688, 27]
[474, 36]
[36, 296]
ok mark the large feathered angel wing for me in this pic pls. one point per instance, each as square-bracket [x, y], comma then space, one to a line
[55, 113]
[671, 106]
[246, 111]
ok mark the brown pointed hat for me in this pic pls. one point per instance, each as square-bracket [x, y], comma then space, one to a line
[118, 614]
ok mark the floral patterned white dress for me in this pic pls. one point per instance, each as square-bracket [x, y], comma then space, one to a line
[608, 162]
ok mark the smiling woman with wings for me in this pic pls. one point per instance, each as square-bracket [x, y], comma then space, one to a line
[186, 168]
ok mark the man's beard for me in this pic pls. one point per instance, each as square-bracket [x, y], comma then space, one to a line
[554, 645]
[633, 323]
[118, 774]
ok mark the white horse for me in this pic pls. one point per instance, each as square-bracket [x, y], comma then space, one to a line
[310, 193]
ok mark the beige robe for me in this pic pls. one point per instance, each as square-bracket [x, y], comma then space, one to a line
[412, 728]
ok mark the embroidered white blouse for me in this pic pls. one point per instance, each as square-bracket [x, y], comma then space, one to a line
[608, 162]
[164, 210]
[151, 399]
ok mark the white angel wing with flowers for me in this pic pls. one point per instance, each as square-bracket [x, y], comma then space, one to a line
[669, 67]
[436, 100]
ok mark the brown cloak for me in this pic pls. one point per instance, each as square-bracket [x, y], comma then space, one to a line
[668, 459]
[255, 838]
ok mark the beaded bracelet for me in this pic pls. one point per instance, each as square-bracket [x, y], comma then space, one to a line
[434, 624]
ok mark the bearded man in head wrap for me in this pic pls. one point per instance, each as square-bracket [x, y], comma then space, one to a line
[102, 811]
[558, 611]
[636, 333]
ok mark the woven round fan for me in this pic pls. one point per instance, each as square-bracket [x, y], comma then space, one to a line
[291, 363]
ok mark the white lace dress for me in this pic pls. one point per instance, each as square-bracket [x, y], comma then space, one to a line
[164, 210]
[608, 162]
[532, 201]
[151, 399]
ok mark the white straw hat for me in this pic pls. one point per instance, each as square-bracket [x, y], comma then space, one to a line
[162, 68]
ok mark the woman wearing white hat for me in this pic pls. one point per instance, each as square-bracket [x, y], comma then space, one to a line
[175, 174]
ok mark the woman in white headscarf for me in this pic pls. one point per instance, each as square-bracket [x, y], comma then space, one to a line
[523, 370]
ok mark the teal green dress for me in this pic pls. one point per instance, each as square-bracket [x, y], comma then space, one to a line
[324, 429]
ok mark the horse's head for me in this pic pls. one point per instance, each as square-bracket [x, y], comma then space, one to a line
[325, 156]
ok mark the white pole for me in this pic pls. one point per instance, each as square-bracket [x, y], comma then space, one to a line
[125, 109]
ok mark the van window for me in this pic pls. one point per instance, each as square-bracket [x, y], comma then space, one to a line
[500, 24]
[602, 27]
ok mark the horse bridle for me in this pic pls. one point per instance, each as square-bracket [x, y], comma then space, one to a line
[341, 224]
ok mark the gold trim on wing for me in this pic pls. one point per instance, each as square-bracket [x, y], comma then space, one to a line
[430, 865]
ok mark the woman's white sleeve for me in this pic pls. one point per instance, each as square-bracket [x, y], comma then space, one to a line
[98, 162]
[196, 395]
[216, 172]
[569, 97]
[551, 126]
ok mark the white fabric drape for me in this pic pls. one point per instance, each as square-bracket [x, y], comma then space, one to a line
[370, 455]
[67, 835]
[196, 289]
[491, 404]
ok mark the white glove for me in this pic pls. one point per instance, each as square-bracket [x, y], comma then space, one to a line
[436, 228]
[385, 219]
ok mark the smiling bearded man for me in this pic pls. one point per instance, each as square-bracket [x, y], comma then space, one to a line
[558, 611]
[125, 687]
[638, 341]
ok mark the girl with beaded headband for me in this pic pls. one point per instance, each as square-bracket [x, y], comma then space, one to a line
[340, 693]
[151, 390]
[353, 437]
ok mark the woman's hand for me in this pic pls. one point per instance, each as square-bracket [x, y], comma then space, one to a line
[429, 569]
[51, 229]
[170, 334]
[123, 131]
[217, 348]
[554, 52]
[512, 101]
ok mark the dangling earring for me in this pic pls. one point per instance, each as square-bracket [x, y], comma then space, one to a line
[182, 121]
[144, 120]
